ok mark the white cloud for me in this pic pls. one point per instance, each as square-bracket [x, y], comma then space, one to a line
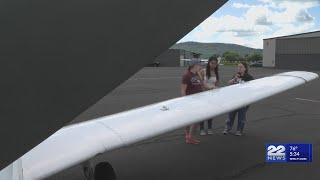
[281, 12]
[263, 20]
[259, 15]
[295, 1]
[289, 29]
[294, 12]
[230, 23]
[271, 18]
[241, 5]
[304, 16]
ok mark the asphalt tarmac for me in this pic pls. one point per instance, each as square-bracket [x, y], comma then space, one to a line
[289, 117]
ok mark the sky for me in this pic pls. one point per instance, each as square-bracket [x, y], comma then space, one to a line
[248, 22]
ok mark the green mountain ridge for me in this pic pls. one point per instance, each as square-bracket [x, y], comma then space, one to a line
[208, 49]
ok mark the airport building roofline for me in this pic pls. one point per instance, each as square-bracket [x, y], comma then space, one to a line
[292, 35]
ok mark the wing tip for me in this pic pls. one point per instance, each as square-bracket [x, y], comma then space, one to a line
[305, 75]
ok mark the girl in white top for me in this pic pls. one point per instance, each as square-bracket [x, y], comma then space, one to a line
[210, 78]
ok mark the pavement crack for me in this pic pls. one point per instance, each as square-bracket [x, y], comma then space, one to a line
[243, 172]
[284, 109]
[272, 117]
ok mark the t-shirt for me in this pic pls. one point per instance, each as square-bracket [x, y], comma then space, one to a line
[211, 82]
[246, 77]
[193, 82]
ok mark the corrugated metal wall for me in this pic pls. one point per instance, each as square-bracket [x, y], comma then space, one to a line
[298, 46]
[187, 54]
[170, 58]
[298, 61]
[298, 53]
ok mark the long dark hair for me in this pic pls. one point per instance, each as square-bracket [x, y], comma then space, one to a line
[208, 68]
[246, 66]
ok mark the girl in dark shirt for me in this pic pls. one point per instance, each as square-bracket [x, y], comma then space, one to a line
[191, 84]
[242, 76]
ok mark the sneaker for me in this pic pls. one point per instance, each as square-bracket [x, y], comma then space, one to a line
[202, 133]
[195, 140]
[210, 132]
[238, 133]
[191, 141]
[225, 131]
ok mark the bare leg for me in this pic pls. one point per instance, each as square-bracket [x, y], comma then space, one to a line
[192, 131]
[187, 132]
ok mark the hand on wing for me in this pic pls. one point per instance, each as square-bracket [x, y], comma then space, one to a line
[236, 77]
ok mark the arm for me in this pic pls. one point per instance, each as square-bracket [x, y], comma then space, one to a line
[202, 74]
[184, 85]
[231, 81]
[205, 85]
[234, 79]
[216, 84]
[183, 89]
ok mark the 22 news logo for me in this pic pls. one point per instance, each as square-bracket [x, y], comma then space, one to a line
[276, 153]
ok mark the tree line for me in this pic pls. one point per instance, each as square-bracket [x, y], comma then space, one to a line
[230, 56]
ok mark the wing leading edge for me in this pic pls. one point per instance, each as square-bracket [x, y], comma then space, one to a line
[77, 143]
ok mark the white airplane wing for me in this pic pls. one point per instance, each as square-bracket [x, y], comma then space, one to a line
[77, 143]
